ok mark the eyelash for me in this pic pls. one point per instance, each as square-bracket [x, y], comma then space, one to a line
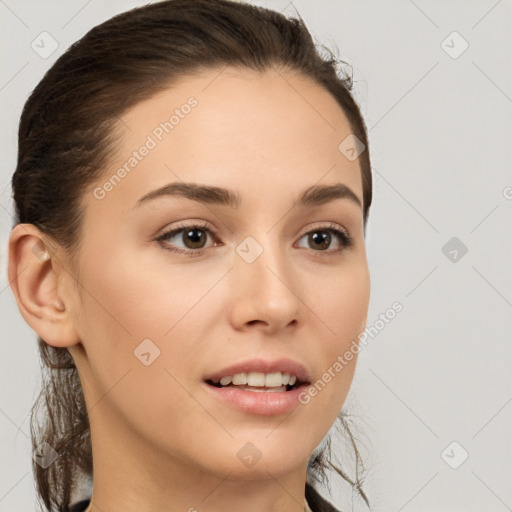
[346, 241]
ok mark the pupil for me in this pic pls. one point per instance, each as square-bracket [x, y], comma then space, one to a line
[324, 239]
[195, 239]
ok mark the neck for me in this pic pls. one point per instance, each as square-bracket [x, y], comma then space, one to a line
[132, 492]
[131, 475]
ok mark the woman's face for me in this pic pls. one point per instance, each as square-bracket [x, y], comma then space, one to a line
[266, 278]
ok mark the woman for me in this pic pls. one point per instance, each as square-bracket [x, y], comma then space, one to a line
[192, 190]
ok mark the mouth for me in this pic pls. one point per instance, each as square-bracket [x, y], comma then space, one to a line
[282, 375]
[262, 391]
[275, 382]
[244, 387]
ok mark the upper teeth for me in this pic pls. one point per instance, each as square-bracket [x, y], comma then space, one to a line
[270, 380]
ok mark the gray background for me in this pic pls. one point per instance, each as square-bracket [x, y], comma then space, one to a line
[440, 142]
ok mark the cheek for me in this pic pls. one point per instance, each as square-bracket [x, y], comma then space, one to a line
[130, 316]
[137, 299]
[341, 304]
[340, 308]
[132, 308]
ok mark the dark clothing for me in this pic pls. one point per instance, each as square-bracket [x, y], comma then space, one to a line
[316, 502]
[79, 506]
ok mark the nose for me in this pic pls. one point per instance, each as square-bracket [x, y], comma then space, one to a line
[264, 291]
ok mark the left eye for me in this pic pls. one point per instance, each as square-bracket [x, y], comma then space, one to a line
[322, 238]
[194, 238]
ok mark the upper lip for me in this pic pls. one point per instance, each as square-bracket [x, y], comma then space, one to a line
[259, 365]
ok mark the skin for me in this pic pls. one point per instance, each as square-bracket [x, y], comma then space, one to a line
[159, 441]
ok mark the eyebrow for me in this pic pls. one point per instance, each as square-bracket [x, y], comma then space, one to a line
[313, 196]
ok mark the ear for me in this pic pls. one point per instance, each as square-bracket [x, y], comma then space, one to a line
[36, 278]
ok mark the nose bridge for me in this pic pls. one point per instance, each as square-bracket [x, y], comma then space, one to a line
[264, 282]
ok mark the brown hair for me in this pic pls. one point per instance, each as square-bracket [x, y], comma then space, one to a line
[67, 134]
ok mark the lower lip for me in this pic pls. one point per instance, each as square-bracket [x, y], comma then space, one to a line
[266, 403]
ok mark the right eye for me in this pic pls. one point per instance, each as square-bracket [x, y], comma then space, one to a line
[193, 237]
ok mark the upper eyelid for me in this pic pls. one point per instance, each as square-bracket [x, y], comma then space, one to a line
[198, 224]
[214, 231]
[203, 225]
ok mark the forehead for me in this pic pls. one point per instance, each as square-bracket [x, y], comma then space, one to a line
[272, 130]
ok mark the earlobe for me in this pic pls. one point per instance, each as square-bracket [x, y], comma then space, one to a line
[34, 279]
